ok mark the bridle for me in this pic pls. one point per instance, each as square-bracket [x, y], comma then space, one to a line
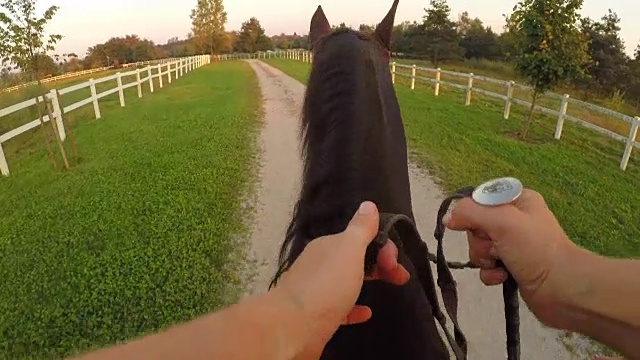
[388, 229]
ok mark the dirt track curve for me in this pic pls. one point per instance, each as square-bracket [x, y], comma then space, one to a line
[481, 310]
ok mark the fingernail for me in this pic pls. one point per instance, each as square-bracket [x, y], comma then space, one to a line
[366, 208]
[446, 219]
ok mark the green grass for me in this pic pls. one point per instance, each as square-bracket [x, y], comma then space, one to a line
[16, 96]
[578, 175]
[502, 71]
[143, 232]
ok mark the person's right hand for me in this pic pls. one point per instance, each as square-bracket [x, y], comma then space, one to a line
[526, 236]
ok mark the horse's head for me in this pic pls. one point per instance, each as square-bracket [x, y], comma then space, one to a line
[354, 149]
[353, 137]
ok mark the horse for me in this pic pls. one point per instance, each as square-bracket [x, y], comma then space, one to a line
[354, 149]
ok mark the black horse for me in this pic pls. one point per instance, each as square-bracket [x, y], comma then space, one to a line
[354, 149]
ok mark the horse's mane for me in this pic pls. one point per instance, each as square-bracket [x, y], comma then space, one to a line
[332, 137]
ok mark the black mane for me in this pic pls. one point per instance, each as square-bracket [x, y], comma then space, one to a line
[354, 149]
[341, 104]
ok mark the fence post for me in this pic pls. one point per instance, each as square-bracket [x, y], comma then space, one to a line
[160, 76]
[469, 88]
[507, 105]
[57, 113]
[181, 67]
[139, 83]
[177, 69]
[563, 112]
[393, 72]
[169, 72]
[438, 76]
[630, 141]
[4, 167]
[413, 77]
[120, 89]
[94, 97]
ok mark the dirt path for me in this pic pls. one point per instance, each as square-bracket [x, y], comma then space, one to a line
[481, 309]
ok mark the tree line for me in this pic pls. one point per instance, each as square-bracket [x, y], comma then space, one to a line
[598, 65]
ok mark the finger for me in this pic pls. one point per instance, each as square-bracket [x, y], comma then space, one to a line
[479, 251]
[493, 277]
[466, 214]
[363, 227]
[358, 315]
[387, 267]
[397, 276]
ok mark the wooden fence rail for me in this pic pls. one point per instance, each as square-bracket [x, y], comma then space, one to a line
[162, 68]
[507, 96]
[86, 72]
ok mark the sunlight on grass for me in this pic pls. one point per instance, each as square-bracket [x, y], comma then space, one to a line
[578, 175]
[142, 233]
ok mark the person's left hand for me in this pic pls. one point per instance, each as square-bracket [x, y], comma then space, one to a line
[325, 280]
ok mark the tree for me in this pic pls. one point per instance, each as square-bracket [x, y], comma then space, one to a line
[252, 37]
[23, 43]
[550, 46]
[477, 41]
[366, 29]
[208, 21]
[608, 68]
[121, 50]
[440, 36]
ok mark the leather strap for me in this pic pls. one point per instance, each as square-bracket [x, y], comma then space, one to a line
[413, 245]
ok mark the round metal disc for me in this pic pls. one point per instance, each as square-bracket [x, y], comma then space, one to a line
[498, 191]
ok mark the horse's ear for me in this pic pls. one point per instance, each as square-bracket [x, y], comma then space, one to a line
[319, 27]
[385, 28]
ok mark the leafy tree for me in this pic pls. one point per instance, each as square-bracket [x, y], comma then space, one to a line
[252, 37]
[121, 50]
[439, 36]
[366, 29]
[550, 46]
[341, 26]
[24, 43]
[23, 36]
[476, 40]
[608, 66]
[45, 66]
[208, 21]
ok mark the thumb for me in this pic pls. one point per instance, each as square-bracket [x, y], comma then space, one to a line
[363, 227]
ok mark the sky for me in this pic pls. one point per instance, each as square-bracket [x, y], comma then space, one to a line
[85, 23]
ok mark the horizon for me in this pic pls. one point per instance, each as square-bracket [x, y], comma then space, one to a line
[167, 19]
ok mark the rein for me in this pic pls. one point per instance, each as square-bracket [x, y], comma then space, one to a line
[389, 226]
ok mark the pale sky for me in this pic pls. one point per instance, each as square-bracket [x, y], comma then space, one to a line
[88, 22]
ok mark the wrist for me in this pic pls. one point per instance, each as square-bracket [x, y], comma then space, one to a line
[572, 282]
[290, 322]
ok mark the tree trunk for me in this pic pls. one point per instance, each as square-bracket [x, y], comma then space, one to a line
[527, 124]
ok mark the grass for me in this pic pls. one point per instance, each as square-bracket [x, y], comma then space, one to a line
[143, 232]
[19, 95]
[579, 177]
[505, 72]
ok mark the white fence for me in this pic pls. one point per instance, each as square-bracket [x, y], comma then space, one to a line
[175, 68]
[84, 72]
[509, 86]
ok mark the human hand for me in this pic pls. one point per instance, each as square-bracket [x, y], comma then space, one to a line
[325, 280]
[528, 239]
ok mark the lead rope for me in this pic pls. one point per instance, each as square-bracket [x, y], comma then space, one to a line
[509, 288]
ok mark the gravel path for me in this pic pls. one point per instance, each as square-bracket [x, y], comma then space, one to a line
[480, 310]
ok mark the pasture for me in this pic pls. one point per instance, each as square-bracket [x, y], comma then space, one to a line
[143, 232]
[596, 203]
